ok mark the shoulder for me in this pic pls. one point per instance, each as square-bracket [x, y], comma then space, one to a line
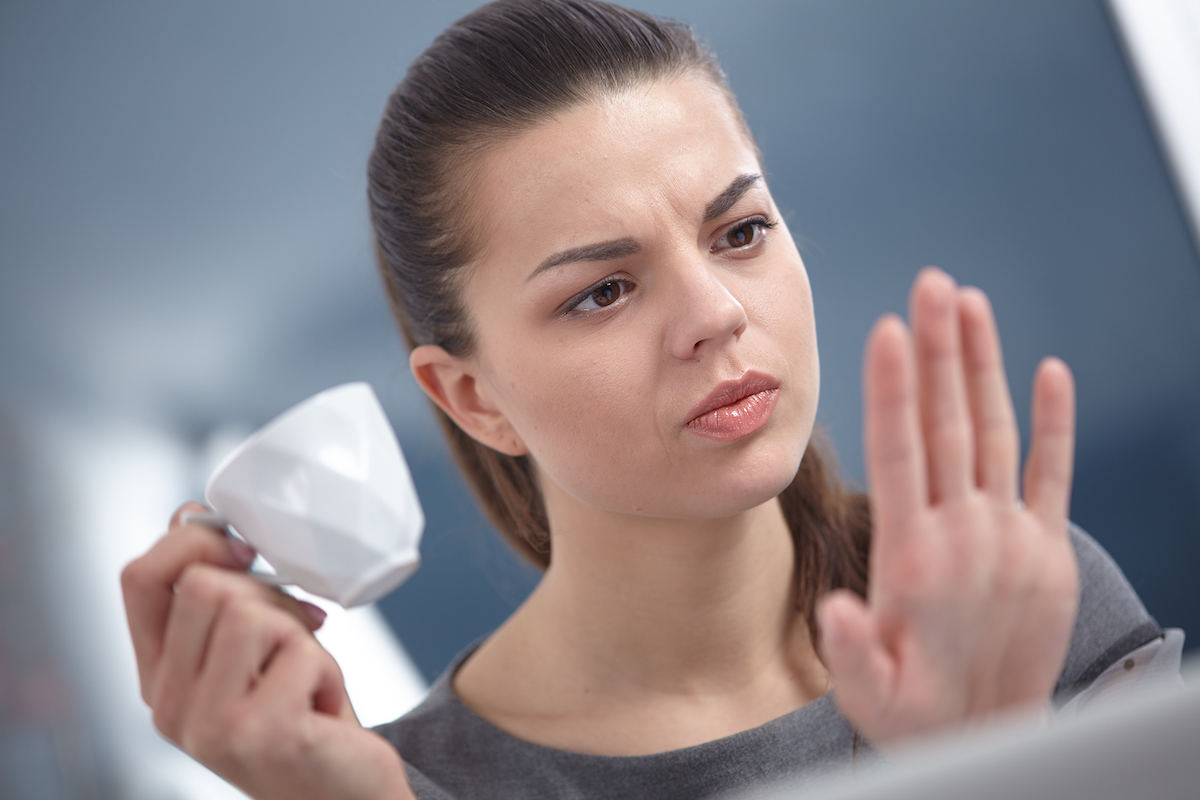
[451, 753]
[436, 739]
[433, 735]
[1111, 621]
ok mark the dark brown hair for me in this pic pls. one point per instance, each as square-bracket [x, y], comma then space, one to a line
[492, 75]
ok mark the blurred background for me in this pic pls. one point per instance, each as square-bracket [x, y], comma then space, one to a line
[185, 253]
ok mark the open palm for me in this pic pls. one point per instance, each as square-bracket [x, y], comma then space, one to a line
[973, 593]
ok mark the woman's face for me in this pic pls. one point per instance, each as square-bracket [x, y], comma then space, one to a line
[628, 280]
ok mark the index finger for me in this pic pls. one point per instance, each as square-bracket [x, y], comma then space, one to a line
[895, 453]
[148, 583]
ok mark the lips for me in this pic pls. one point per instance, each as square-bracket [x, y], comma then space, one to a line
[735, 409]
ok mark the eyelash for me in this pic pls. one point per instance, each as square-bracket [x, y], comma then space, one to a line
[578, 299]
[758, 221]
[573, 304]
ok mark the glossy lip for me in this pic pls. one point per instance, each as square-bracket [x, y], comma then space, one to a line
[747, 401]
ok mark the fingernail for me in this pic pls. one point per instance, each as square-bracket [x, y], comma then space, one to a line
[316, 615]
[190, 507]
[243, 552]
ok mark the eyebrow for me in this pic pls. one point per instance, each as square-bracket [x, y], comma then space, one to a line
[622, 248]
[728, 198]
[603, 251]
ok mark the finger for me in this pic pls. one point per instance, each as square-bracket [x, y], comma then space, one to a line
[189, 624]
[191, 507]
[268, 680]
[894, 451]
[861, 669]
[148, 583]
[997, 445]
[1052, 449]
[303, 671]
[200, 594]
[245, 637]
[256, 635]
[945, 419]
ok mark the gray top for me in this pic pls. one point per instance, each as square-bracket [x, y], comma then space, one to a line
[452, 753]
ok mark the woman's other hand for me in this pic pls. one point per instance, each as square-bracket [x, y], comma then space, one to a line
[973, 593]
[235, 677]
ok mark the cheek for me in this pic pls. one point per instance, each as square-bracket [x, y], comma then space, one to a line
[575, 410]
[783, 309]
[783, 313]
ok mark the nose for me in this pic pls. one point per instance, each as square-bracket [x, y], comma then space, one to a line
[707, 316]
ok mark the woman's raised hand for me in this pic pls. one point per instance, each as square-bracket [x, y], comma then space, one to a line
[235, 678]
[973, 593]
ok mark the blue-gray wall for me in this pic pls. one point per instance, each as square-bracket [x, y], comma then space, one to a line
[1005, 142]
[183, 235]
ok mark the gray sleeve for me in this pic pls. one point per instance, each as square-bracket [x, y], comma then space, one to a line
[1111, 621]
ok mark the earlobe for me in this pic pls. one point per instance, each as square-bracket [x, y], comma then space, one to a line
[451, 382]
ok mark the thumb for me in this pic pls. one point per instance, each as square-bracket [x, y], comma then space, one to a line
[854, 655]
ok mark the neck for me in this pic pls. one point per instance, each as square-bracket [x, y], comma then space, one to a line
[687, 607]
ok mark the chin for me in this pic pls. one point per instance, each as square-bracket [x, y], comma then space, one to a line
[742, 493]
[719, 491]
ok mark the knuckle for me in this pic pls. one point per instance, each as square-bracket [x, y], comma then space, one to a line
[165, 722]
[290, 618]
[332, 663]
[252, 612]
[200, 583]
[243, 613]
[308, 645]
[134, 577]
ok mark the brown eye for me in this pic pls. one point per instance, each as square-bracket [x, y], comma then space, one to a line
[602, 295]
[743, 234]
[606, 293]
[746, 235]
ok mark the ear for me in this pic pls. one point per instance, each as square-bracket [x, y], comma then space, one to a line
[451, 382]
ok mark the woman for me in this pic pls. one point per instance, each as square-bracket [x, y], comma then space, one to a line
[616, 328]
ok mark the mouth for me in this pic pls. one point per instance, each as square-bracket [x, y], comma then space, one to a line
[735, 409]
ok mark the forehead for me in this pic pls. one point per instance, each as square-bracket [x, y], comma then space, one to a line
[656, 151]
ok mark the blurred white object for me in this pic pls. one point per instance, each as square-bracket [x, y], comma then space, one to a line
[323, 493]
[109, 489]
[1163, 40]
[114, 486]
[1138, 743]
